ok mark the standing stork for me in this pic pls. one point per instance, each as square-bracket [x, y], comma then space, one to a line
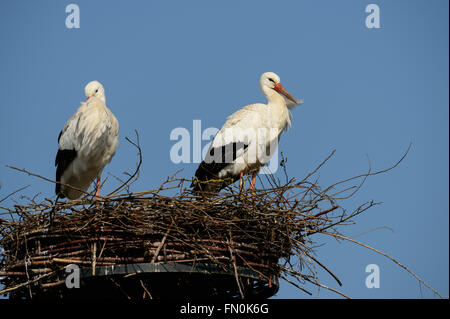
[247, 140]
[86, 144]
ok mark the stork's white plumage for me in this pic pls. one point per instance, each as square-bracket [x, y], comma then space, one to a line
[247, 140]
[86, 144]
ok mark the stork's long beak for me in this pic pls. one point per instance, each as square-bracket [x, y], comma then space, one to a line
[280, 89]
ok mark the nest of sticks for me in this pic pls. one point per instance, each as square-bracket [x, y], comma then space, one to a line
[269, 232]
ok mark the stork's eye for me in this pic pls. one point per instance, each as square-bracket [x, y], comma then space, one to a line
[96, 91]
[271, 80]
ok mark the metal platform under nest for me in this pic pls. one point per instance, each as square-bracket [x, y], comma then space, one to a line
[151, 281]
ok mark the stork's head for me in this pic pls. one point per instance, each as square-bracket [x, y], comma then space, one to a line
[95, 88]
[270, 81]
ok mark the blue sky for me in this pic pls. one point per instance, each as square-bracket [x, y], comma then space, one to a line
[167, 63]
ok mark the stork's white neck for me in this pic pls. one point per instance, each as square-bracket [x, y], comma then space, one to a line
[100, 97]
[277, 108]
[273, 97]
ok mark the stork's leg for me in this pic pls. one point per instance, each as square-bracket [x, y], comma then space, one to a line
[241, 181]
[252, 188]
[252, 183]
[97, 188]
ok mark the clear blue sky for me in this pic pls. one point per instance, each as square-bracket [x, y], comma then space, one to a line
[166, 63]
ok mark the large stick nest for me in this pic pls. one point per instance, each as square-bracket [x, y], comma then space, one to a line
[269, 231]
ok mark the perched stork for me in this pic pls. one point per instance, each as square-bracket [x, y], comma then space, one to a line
[247, 140]
[86, 144]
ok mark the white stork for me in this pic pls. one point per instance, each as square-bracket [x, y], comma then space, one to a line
[247, 140]
[87, 144]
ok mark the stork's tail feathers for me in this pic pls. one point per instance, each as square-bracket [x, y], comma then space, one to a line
[63, 159]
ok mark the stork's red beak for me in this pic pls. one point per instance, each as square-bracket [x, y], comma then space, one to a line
[280, 89]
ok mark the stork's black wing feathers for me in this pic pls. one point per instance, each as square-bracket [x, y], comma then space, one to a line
[217, 159]
[62, 161]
